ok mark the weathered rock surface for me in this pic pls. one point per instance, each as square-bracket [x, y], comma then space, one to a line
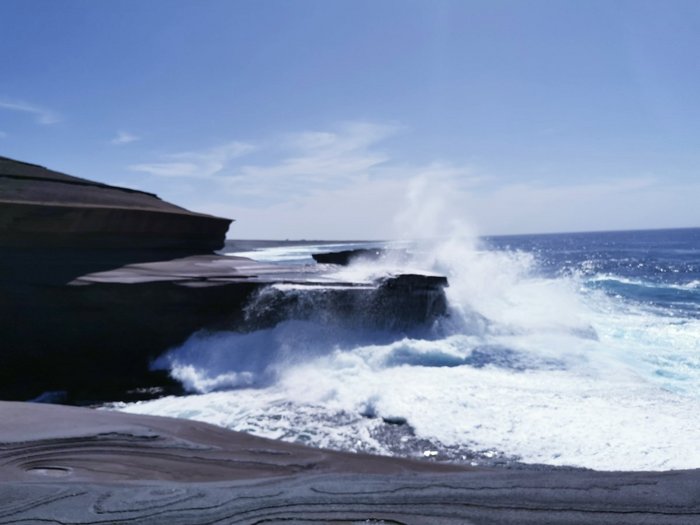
[70, 465]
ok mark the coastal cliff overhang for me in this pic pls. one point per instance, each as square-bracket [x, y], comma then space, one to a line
[42, 207]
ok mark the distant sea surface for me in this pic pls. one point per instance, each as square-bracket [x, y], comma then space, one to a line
[569, 349]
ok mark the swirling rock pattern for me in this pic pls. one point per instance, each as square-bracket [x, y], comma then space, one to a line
[66, 465]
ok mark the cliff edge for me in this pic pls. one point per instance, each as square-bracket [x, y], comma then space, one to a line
[42, 207]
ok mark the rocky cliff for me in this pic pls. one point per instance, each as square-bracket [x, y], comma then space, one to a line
[55, 228]
[41, 207]
[97, 281]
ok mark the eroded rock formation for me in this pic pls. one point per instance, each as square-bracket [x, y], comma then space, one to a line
[97, 281]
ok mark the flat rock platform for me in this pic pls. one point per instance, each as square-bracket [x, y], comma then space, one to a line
[67, 465]
[216, 270]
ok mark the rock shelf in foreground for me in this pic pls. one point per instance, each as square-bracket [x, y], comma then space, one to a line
[75, 465]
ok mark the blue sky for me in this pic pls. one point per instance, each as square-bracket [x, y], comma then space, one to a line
[367, 119]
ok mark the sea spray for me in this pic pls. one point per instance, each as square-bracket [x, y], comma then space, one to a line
[543, 358]
[530, 365]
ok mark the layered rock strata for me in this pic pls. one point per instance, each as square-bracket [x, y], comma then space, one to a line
[76, 465]
[44, 208]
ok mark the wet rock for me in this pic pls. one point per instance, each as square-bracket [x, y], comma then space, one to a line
[345, 257]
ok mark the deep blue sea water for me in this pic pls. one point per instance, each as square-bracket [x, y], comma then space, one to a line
[658, 268]
[568, 349]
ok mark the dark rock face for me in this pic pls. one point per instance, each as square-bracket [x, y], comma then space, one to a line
[41, 207]
[96, 341]
[54, 228]
[97, 281]
[390, 304]
[345, 257]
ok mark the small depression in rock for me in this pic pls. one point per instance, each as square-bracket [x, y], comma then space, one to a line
[52, 472]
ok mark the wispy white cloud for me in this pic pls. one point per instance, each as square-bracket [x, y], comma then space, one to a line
[295, 164]
[316, 159]
[42, 115]
[342, 179]
[124, 137]
[195, 164]
[348, 182]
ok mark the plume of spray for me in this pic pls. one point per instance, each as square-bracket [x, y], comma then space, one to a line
[434, 220]
[489, 291]
[498, 289]
[433, 212]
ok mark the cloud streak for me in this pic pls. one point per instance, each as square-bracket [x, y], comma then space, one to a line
[124, 137]
[204, 164]
[317, 160]
[41, 115]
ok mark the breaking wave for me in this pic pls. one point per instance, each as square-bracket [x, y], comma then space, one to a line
[531, 365]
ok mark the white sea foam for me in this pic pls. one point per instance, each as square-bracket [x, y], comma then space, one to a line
[542, 415]
[692, 285]
[603, 277]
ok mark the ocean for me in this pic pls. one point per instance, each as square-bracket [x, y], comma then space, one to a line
[578, 350]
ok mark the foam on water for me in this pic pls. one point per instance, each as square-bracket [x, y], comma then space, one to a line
[551, 416]
[544, 369]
